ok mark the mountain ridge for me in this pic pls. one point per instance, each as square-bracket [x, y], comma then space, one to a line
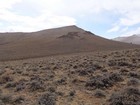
[134, 39]
[63, 40]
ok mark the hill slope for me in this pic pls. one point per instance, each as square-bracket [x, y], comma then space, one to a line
[70, 39]
[135, 39]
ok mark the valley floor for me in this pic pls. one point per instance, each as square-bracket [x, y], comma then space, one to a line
[95, 78]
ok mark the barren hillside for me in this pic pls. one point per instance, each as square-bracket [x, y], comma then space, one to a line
[64, 40]
[134, 39]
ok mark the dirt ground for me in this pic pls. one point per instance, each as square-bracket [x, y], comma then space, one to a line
[95, 78]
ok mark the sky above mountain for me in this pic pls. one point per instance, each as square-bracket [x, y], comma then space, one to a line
[107, 18]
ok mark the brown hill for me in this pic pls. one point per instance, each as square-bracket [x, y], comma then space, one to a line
[135, 39]
[70, 39]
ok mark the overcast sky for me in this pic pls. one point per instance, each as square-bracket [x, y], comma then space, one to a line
[107, 18]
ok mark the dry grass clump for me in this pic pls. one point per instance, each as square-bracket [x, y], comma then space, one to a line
[10, 85]
[134, 74]
[128, 96]
[103, 81]
[133, 82]
[18, 100]
[36, 86]
[2, 71]
[6, 78]
[6, 99]
[99, 94]
[47, 99]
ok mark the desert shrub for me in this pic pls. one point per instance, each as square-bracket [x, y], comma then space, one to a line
[55, 67]
[6, 99]
[1, 103]
[112, 63]
[47, 99]
[72, 93]
[134, 60]
[99, 93]
[104, 81]
[128, 96]
[18, 100]
[51, 89]
[75, 67]
[10, 85]
[134, 75]
[124, 71]
[60, 93]
[133, 82]
[36, 85]
[62, 81]
[20, 86]
[83, 72]
[77, 81]
[119, 62]
[2, 71]
[35, 78]
[90, 69]
[97, 66]
[115, 77]
[104, 70]
[96, 82]
[122, 63]
[5, 79]
[34, 69]
[19, 71]
[104, 56]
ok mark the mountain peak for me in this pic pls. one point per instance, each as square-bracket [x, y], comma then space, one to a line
[71, 27]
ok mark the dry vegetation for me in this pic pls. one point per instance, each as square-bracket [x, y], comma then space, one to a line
[99, 78]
